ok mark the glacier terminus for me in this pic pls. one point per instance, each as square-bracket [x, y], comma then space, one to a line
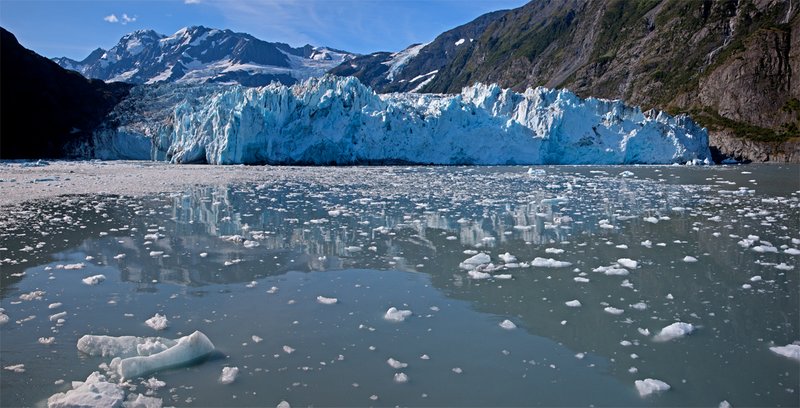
[335, 120]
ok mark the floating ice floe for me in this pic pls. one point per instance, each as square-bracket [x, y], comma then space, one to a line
[96, 391]
[549, 263]
[650, 385]
[94, 280]
[476, 274]
[17, 368]
[628, 263]
[396, 364]
[326, 300]
[507, 258]
[136, 356]
[157, 322]
[613, 310]
[508, 324]
[791, 351]
[400, 378]
[475, 260]
[688, 258]
[228, 375]
[573, 303]
[395, 315]
[674, 331]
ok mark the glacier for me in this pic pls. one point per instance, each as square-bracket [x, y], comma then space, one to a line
[338, 120]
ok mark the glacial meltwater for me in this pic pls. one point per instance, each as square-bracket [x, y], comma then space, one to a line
[418, 286]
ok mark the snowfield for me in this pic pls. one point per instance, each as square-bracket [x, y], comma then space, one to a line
[333, 120]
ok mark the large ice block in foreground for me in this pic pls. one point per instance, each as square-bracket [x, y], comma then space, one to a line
[142, 355]
[335, 120]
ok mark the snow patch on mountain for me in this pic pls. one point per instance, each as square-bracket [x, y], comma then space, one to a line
[400, 59]
[338, 120]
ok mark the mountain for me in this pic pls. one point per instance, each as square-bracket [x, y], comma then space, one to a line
[199, 55]
[336, 120]
[47, 111]
[412, 68]
[731, 64]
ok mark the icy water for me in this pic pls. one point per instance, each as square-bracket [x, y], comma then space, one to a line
[639, 248]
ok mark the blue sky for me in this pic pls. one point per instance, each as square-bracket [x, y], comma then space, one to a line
[72, 28]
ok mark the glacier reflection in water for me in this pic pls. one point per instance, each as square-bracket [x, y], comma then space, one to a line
[646, 247]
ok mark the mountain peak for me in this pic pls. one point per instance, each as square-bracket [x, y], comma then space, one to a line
[197, 54]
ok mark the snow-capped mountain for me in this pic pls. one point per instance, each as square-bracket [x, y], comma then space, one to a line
[199, 55]
[333, 120]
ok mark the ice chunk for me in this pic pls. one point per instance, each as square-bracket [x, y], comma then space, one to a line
[395, 315]
[475, 260]
[186, 349]
[94, 280]
[142, 401]
[326, 300]
[476, 274]
[17, 368]
[507, 258]
[96, 391]
[674, 331]
[283, 404]
[228, 375]
[400, 378]
[573, 303]
[688, 258]
[790, 350]
[46, 340]
[123, 346]
[35, 295]
[613, 310]
[554, 251]
[396, 364]
[628, 263]
[650, 385]
[549, 263]
[157, 322]
[508, 324]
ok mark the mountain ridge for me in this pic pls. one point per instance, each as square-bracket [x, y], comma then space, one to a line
[198, 54]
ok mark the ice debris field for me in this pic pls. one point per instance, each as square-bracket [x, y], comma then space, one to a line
[333, 120]
[639, 286]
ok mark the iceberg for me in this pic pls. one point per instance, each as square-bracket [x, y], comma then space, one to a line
[338, 120]
[136, 356]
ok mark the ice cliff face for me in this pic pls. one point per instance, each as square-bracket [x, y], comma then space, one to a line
[333, 120]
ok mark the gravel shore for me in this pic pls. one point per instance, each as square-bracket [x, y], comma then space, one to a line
[27, 181]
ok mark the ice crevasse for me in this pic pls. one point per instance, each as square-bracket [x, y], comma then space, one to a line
[334, 120]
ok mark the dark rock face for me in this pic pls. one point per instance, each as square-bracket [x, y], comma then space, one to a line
[45, 110]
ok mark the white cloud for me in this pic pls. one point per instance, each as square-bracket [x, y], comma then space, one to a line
[124, 19]
[191, 1]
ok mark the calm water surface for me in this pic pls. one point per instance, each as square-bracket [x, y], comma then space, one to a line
[251, 259]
